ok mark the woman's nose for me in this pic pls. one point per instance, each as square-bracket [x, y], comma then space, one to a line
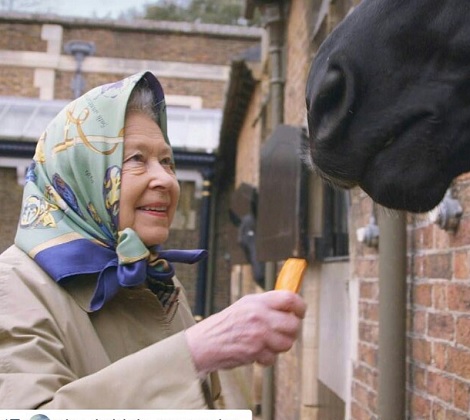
[160, 176]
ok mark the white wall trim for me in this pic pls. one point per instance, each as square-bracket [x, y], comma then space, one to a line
[171, 69]
[191, 102]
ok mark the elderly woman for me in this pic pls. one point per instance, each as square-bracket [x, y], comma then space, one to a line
[91, 314]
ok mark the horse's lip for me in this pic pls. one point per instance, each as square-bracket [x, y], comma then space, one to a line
[387, 189]
[412, 121]
[335, 180]
[416, 125]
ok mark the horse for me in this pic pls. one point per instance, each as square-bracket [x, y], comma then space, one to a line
[388, 101]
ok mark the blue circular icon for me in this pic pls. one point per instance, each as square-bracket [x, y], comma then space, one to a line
[39, 417]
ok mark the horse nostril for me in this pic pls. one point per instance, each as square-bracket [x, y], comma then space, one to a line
[331, 91]
[332, 104]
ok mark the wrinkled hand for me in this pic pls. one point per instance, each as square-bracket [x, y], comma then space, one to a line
[254, 329]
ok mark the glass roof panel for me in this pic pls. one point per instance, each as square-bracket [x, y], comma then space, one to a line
[24, 119]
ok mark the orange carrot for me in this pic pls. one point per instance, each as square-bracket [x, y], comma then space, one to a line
[291, 275]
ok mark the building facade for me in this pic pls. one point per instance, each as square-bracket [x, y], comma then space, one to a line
[334, 371]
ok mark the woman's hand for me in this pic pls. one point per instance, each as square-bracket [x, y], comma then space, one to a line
[254, 329]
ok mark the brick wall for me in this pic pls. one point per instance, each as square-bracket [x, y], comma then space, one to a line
[190, 48]
[297, 63]
[439, 316]
[365, 268]
[17, 81]
[145, 41]
[21, 37]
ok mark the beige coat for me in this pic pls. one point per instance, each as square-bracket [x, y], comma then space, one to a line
[54, 354]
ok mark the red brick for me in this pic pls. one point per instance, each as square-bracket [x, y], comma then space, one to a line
[440, 386]
[441, 325]
[463, 331]
[438, 412]
[438, 266]
[369, 290]
[439, 355]
[423, 237]
[421, 350]
[458, 297]
[459, 362]
[419, 376]
[462, 236]
[419, 322]
[422, 295]
[420, 407]
[366, 375]
[369, 311]
[462, 395]
[368, 332]
[366, 268]
[368, 354]
[439, 296]
[442, 238]
[461, 265]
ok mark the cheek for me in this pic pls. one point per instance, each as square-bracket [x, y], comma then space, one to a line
[126, 204]
[125, 216]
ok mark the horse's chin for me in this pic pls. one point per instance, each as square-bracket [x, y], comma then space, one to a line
[403, 194]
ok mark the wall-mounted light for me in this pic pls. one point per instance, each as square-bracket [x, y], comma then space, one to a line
[80, 50]
[369, 234]
[448, 213]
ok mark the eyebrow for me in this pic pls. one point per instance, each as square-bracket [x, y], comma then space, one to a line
[142, 144]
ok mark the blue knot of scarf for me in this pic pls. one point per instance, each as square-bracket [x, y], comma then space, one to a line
[131, 264]
[135, 264]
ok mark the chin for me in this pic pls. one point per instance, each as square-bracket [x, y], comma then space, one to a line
[153, 241]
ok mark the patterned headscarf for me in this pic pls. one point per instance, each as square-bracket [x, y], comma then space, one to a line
[69, 217]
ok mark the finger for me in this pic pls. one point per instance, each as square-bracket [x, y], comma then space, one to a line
[279, 343]
[283, 300]
[266, 358]
[286, 323]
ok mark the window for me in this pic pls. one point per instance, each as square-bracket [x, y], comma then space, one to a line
[334, 237]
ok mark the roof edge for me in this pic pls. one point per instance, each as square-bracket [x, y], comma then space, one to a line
[137, 25]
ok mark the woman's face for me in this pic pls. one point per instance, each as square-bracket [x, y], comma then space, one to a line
[149, 188]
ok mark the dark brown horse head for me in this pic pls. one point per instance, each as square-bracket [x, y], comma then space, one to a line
[388, 100]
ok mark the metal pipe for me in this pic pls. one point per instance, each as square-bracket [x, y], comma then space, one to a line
[392, 315]
[268, 393]
[211, 260]
[275, 27]
[200, 304]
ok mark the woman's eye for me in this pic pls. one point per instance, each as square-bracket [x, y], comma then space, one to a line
[135, 158]
[168, 163]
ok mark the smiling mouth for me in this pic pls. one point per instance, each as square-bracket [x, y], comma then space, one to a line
[155, 210]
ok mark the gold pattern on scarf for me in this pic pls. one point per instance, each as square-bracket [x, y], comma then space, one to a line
[155, 261]
[52, 196]
[112, 187]
[70, 141]
[37, 212]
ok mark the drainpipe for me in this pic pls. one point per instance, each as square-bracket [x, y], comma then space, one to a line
[272, 13]
[211, 259]
[200, 305]
[268, 391]
[392, 315]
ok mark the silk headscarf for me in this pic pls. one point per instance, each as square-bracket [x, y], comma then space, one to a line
[69, 217]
